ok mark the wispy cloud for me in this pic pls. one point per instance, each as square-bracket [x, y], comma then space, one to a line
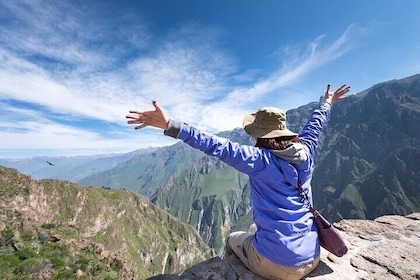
[229, 111]
[32, 129]
[58, 57]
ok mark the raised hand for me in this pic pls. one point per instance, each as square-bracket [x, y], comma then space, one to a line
[156, 118]
[337, 95]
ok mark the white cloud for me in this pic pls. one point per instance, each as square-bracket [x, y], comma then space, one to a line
[229, 112]
[52, 59]
[30, 129]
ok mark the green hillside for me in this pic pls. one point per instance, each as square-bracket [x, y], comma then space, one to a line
[53, 229]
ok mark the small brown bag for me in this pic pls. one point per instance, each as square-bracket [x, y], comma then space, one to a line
[329, 237]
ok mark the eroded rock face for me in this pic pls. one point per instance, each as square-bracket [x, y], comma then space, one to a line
[385, 248]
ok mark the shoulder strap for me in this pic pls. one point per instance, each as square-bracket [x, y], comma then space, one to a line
[305, 197]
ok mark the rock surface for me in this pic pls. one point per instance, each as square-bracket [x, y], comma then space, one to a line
[385, 248]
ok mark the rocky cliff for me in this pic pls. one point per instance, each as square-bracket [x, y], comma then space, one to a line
[385, 248]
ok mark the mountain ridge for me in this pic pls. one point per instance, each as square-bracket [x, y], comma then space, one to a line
[72, 168]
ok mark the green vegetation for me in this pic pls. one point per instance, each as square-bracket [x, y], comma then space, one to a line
[32, 255]
[351, 192]
[60, 230]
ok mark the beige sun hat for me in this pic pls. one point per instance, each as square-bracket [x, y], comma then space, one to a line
[267, 122]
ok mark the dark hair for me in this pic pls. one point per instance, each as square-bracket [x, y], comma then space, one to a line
[278, 143]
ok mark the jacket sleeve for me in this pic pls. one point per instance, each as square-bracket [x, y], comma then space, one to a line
[246, 159]
[313, 128]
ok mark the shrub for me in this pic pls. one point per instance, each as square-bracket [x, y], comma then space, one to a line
[7, 236]
[27, 267]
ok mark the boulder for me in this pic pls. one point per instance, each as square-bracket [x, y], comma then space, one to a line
[385, 248]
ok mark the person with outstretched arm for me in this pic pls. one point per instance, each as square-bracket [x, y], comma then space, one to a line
[284, 241]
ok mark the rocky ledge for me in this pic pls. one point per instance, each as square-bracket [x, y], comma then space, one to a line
[385, 248]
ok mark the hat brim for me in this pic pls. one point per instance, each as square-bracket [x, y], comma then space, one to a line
[264, 132]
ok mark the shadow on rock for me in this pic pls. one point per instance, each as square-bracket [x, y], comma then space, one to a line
[322, 269]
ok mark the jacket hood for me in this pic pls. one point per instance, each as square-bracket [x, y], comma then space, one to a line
[296, 153]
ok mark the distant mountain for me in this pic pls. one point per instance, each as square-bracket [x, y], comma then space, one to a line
[69, 168]
[51, 229]
[147, 172]
[209, 195]
[368, 161]
[367, 166]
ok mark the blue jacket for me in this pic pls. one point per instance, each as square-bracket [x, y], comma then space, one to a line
[286, 232]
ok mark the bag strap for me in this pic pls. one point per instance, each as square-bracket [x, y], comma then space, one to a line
[305, 197]
[318, 217]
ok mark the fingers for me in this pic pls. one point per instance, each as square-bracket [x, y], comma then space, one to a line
[134, 114]
[342, 90]
[156, 105]
[140, 126]
[137, 117]
[327, 92]
[344, 87]
[139, 121]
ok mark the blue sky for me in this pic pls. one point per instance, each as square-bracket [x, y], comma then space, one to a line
[71, 70]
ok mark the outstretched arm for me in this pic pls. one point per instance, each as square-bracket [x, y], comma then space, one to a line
[244, 158]
[313, 127]
[156, 118]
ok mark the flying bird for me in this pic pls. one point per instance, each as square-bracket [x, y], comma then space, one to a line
[50, 163]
